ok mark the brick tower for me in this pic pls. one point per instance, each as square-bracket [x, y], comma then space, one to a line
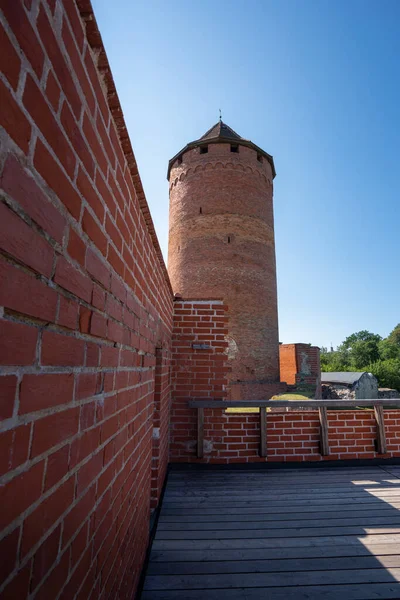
[221, 245]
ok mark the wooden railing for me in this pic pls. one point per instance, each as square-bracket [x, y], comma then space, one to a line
[321, 405]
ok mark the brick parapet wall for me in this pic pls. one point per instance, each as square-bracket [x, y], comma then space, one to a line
[85, 302]
[291, 437]
[196, 372]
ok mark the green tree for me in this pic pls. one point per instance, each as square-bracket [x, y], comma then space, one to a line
[361, 348]
[387, 372]
[387, 349]
[394, 337]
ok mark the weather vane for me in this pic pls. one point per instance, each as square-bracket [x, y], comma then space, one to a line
[220, 115]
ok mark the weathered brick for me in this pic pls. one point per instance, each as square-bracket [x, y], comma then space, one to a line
[24, 293]
[61, 350]
[56, 179]
[17, 343]
[95, 233]
[54, 429]
[13, 119]
[68, 313]
[47, 513]
[14, 447]
[22, 242]
[22, 29]
[73, 132]
[22, 188]
[44, 391]
[8, 386]
[10, 62]
[87, 190]
[58, 61]
[39, 110]
[53, 91]
[73, 280]
[19, 493]
[76, 247]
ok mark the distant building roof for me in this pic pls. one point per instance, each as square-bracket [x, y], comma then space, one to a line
[221, 133]
[342, 377]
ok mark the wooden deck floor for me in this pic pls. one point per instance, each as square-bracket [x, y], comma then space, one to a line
[279, 534]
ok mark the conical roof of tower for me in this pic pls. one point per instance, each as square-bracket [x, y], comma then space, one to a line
[218, 134]
[222, 131]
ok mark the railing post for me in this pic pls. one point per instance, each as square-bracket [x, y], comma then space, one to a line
[380, 429]
[200, 432]
[263, 432]
[324, 439]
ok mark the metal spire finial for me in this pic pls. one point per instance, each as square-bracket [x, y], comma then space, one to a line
[220, 116]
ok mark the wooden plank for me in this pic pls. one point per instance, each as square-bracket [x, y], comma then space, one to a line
[380, 430]
[392, 479]
[389, 403]
[218, 544]
[212, 491]
[201, 499]
[301, 532]
[242, 502]
[263, 432]
[257, 580]
[200, 432]
[250, 554]
[237, 525]
[367, 591]
[256, 515]
[273, 565]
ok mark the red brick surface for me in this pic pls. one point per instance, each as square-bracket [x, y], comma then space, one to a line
[81, 384]
[196, 373]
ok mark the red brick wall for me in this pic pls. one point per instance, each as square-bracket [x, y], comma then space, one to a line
[85, 302]
[196, 373]
[293, 436]
[288, 363]
[300, 366]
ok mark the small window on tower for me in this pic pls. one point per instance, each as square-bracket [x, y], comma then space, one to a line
[203, 149]
[201, 210]
[259, 158]
[234, 148]
[229, 239]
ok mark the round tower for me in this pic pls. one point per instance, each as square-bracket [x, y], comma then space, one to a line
[221, 243]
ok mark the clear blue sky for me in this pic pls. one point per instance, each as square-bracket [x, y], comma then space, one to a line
[316, 83]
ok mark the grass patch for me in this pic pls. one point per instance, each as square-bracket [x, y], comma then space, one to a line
[257, 410]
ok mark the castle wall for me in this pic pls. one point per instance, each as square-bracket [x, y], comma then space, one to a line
[300, 366]
[221, 245]
[85, 318]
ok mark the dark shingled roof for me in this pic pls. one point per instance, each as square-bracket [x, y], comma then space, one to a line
[218, 134]
[221, 130]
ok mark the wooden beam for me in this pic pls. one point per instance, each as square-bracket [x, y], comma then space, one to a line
[380, 430]
[200, 432]
[263, 432]
[324, 439]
